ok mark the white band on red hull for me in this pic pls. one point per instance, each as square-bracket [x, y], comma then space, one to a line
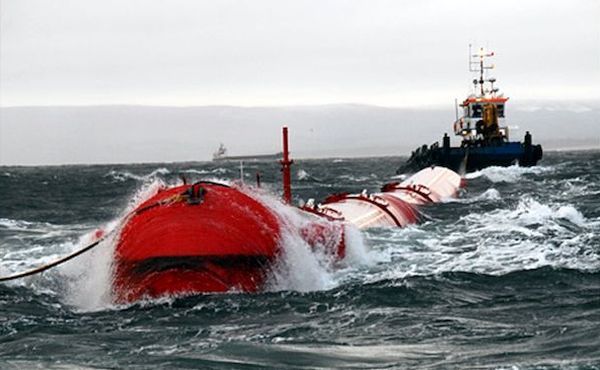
[397, 204]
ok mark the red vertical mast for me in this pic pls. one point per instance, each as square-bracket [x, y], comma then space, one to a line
[286, 163]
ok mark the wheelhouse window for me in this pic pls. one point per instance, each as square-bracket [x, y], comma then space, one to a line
[500, 110]
[476, 111]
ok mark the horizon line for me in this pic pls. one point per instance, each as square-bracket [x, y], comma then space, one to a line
[584, 148]
[305, 105]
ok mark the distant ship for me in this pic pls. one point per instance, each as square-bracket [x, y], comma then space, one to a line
[485, 140]
[221, 155]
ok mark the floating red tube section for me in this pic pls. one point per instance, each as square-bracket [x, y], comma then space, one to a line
[206, 237]
[397, 204]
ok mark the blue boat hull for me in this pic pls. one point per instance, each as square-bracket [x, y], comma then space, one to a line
[472, 158]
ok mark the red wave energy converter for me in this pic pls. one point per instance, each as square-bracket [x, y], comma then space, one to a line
[211, 237]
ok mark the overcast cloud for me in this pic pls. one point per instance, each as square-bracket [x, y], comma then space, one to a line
[390, 53]
[290, 59]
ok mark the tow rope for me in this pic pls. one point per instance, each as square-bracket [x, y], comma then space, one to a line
[60, 261]
[194, 196]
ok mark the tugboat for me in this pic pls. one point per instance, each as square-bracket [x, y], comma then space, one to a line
[485, 137]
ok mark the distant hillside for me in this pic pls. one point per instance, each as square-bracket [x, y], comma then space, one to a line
[115, 134]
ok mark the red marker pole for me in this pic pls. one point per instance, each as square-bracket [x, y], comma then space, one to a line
[286, 163]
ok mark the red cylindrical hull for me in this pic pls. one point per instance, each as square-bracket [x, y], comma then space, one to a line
[171, 245]
[396, 205]
[209, 237]
[206, 238]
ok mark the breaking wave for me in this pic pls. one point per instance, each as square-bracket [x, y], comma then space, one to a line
[507, 174]
[126, 175]
[527, 236]
[490, 194]
[302, 175]
[83, 283]
[362, 179]
[302, 267]
[216, 171]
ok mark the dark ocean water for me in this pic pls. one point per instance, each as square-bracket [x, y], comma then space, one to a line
[506, 277]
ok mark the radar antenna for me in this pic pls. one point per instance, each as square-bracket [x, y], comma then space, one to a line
[476, 64]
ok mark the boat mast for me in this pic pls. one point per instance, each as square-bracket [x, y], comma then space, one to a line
[479, 66]
[456, 109]
[286, 163]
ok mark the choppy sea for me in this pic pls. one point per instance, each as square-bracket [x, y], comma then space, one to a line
[505, 277]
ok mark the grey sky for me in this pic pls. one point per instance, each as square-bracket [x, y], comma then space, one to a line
[296, 55]
[390, 53]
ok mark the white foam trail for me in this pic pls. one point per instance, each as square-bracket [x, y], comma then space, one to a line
[220, 180]
[490, 194]
[142, 194]
[529, 236]
[84, 282]
[302, 267]
[30, 244]
[196, 172]
[357, 251]
[299, 268]
[357, 179]
[576, 187]
[506, 174]
[531, 212]
[89, 277]
[302, 175]
[126, 175]
[216, 171]
[35, 227]
[219, 171]
[400, 177]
